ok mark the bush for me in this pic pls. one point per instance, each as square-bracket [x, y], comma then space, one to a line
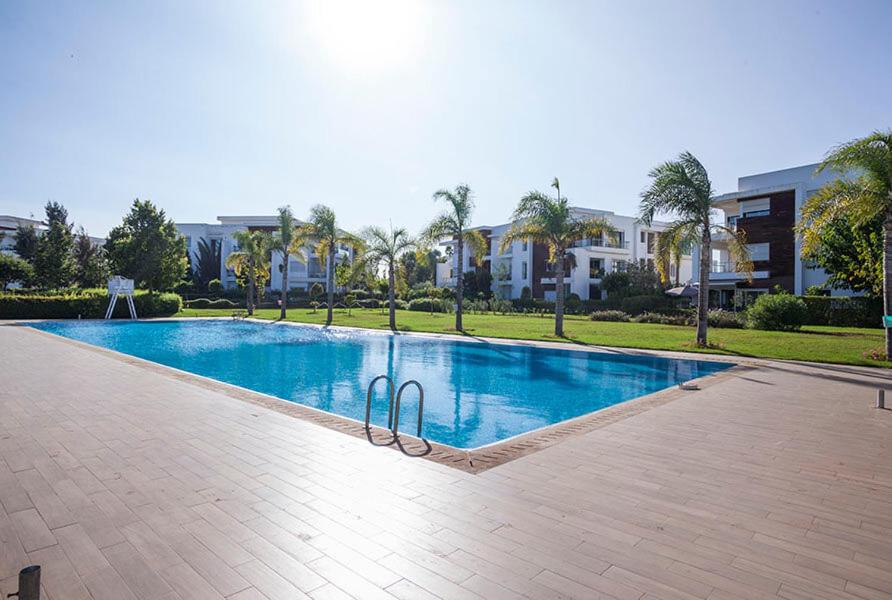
[214, 286]
[777, 312]
[86, 304]
[501, 306]
[208, 303]
[636, 305]
[370, 303]
[855, 311]
[723, 319]
[677, 319]
[429, 305]
[609, 315]
[359, 294]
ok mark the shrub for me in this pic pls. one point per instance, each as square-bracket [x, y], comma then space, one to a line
[526, 294]
[214, 286]
[370, 303]
[208, 303]
[724, 319]
[500, 305]
[85, 303]
[636, 305]
[609, 315]
[429, 305]
[777, 312]
[572, 303]
[648, 317]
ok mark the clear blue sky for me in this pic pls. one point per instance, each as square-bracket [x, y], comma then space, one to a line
[214, 107]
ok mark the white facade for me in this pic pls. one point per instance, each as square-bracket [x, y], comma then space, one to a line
[301, 275]
[518, 268]
[8, 226]
[755, 205]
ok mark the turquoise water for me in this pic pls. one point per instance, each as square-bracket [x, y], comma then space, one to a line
[476, 393]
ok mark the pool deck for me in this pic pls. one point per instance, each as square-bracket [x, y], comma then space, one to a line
[123, 483]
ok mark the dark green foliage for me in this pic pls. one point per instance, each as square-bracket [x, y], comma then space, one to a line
[208, 303]
[316, 290]
[14, 269]
[53, 263]
[207, 263]
[214, 286]
[147, 248]
[843, 311]
[86, 304]
[610, 315]
[777, 312]
[636, 305]
[477, 283]
[90, 266]
[615, 283]
[526, 294]
[429, 305]
[26, 243]
[662, 319]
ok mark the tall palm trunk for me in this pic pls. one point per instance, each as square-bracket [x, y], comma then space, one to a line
[887, 275]
[284, 293]
[391, 284]
[459, 284]
[250, 303]
[703, 293]
[329, 280]
[559, 297]
[677, 268]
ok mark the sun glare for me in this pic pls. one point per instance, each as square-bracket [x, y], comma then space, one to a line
[368, 35]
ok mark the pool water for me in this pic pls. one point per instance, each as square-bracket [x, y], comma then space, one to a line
[476, 393]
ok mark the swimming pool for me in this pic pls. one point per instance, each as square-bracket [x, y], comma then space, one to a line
[476, 393]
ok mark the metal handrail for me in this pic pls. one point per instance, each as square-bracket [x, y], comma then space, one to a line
[368, 401]
[399, 395]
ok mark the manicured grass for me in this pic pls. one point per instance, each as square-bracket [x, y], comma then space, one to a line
[845, 345]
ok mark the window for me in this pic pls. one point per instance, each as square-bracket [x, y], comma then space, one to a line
[594, 292]
[758, 251]
[523, 270]
[758, 207]
[566, 290]
[620, 266]
[523, 246]
[757, 213]
[651, 242]
[595, 268]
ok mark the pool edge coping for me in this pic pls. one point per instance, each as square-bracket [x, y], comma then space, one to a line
[475, 460]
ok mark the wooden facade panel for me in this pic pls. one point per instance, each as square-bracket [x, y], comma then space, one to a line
[775, 229]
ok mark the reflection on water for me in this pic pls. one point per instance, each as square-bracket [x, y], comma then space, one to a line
[475, 393]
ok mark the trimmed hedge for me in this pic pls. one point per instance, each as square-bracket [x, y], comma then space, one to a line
[86, 304]
[429, 305]
[856, 311]
[616, 316]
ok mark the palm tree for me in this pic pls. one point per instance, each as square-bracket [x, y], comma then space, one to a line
[863, 193]
[282, 242]
[681, 189]
[207, 266]
[454, 224]
[671, 246]
[385, 247]
[549, 221]
[249, 259]
[322, 230]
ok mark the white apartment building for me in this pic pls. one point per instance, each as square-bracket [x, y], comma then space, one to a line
[767, 206]
[301, 275]
[524, 264]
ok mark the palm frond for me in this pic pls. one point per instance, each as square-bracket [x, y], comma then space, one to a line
[860, 200]
[738, 250]
[679, 188]
[870, 156]
[670, 241]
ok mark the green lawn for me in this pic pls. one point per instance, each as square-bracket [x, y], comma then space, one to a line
[845, 345]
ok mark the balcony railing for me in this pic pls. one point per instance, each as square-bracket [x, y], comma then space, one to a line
[724, 267]
[601, 243]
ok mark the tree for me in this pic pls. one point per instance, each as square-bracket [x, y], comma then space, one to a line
[671, 246]
[862, 197]
[26, 243]
[53, 262]
[454, 224]
[681, 188]
[14, 269]
[322, 231]
[851, 254]
[147, 248]
[207, 264]
[249, 260]
[283, 242]
[90, 266]
[385, 248]
[549, 221]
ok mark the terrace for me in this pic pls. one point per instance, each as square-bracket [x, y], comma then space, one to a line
[126, 480]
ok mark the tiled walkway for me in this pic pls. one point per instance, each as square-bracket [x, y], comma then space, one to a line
[125, 484]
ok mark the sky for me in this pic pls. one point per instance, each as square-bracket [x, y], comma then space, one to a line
[223, 108]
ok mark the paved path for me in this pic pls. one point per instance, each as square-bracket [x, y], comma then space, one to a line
[124, 484]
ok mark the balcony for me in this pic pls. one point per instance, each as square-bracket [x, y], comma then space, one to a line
[727, 271]
[601, 243]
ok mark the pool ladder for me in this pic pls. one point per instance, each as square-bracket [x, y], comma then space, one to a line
[393, 408]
